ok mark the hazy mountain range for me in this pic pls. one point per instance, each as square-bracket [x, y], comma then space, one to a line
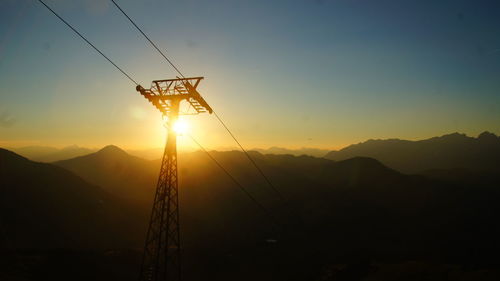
[333, 210]
[316, 152]
[51, 154]
[452, 151]
[429, 156]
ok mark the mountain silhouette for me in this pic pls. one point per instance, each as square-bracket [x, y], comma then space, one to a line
[134, 178]
[316, 188]
[116, 171]
[50, 154]
[332, 211]
[452, 151]
[45, 206]
[316, 152]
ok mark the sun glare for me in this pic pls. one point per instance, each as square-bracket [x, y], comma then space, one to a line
[181, 127]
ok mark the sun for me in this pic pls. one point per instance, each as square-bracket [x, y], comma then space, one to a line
[181, 127]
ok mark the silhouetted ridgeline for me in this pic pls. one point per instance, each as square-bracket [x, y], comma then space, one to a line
[349, 219]
[51, 154]
[316, 152]
[116, 171]
[446, 152]
[45, 206]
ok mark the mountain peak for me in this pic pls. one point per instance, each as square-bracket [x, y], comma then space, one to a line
[112, 149]
[487, 136]
[455, 135]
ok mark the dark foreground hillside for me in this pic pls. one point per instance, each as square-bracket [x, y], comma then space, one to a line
[45, 206]
[346, 220]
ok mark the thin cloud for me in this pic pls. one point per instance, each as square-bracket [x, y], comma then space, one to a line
[6, 120]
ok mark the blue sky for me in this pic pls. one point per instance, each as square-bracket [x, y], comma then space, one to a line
[281, 73]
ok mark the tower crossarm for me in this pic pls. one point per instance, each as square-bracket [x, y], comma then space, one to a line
[163, 93]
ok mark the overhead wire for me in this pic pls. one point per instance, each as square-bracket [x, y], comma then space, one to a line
[240, 186]
[150, 41]
[252, 198]
[261, 172]
[280, 195]
[230, 176]
[88, 42]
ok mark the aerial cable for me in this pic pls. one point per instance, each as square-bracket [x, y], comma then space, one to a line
[253, 199]
[88, 42]
[150, 41]
[250, 158]
[240, 186]
[170, 62]
[216, 115]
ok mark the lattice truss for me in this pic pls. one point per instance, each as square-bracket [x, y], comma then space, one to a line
[164, 93]
[161, 259]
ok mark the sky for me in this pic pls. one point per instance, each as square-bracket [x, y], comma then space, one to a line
[296, 73]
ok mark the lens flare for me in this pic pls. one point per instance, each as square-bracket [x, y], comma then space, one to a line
[180, 127]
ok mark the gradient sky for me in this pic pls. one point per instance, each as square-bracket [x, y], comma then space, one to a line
[281, 73]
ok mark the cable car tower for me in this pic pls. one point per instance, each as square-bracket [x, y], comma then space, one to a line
[161, 259]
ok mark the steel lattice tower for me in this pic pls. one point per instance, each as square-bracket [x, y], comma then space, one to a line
[162, 251]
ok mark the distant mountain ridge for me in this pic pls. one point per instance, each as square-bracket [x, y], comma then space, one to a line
[452, 151]
[128, 176]
[115, 170]
[316, 152]
[323, 196]
[49, 154]
[332, 209]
